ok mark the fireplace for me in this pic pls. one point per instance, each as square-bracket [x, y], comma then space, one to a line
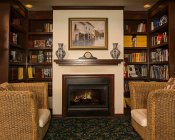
[88, 95]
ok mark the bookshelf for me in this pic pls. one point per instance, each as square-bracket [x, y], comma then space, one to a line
[13, 39]
[162, 42]
[39, 50]
[135, 47]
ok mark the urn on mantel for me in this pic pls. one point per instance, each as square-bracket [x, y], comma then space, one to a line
[115, 53]
[60, 53]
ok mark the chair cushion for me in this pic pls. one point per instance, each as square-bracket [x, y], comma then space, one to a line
[140, 116]
[171, 84]
[44, 115]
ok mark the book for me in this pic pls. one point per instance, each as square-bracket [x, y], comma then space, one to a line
[30, 72]
[128, 41]
[20, 73]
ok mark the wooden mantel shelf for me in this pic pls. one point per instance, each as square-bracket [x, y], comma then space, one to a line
[88, 62]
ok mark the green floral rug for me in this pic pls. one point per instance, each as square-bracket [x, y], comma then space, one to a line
[118, 128]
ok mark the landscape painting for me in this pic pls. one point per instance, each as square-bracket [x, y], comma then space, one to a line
[88, 33]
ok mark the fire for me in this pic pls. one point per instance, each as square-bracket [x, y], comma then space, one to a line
[86, 95]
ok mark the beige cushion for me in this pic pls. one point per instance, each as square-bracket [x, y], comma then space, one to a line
[140, 116]
[171, 84]
[44, 115]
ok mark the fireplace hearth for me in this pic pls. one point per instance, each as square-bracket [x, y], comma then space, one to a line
[88, 95]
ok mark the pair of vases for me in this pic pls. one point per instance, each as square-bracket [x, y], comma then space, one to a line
[115, 53]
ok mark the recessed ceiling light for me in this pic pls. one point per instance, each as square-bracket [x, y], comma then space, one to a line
[28, 6]
[147, 6]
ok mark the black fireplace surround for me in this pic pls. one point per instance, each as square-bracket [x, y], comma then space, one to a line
[88, 95]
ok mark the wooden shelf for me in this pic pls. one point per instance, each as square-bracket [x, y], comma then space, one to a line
[33, 49]
[159, 63]
[40, 64]
[135, 33]
[17, 63]
[40, 33]
[135, 48]
[137, 63]
[159, 45]
[88, 62]
[16, 46]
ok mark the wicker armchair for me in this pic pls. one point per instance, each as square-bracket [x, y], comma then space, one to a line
[21, 108]
[160, 105]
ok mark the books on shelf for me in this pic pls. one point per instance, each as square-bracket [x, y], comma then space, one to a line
[160, 72]
[128, 41]
[135, 41]
[40, 57]
[136, 57]
[48, 27]
[141, 27]
[159, 38]
[39, 72]
[141, 41]
[159, 55]
[137, 70]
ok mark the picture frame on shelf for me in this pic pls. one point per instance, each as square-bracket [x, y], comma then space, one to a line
[88, 33]
[39, 43]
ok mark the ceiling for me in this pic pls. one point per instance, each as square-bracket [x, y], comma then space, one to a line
[132, 5]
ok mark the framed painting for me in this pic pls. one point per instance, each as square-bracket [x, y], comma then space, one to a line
[88, 33]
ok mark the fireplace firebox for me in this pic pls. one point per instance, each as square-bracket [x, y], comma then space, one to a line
[88, 95]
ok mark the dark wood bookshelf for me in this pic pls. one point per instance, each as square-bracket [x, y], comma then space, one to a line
[137, 63]
[38, 48]
[159, 63]
[40, 33]
[135, 48]
[165, 44]
[40, 64]
[135, 33]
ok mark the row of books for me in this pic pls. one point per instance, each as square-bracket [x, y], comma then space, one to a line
[16, 73]
[159, 55]
[136, 57]
[135, 41]
[159, 72]
[159, 38]
[137, 70]
[141, 27]
[48, 27]
[39, 72]
[35, 57]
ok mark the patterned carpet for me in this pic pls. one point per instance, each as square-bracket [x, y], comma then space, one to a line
[118, 128]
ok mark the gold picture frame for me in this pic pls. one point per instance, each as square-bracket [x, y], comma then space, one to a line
[88, 33]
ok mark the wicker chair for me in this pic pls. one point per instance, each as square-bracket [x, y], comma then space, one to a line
[160, 105]
[21, 109]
